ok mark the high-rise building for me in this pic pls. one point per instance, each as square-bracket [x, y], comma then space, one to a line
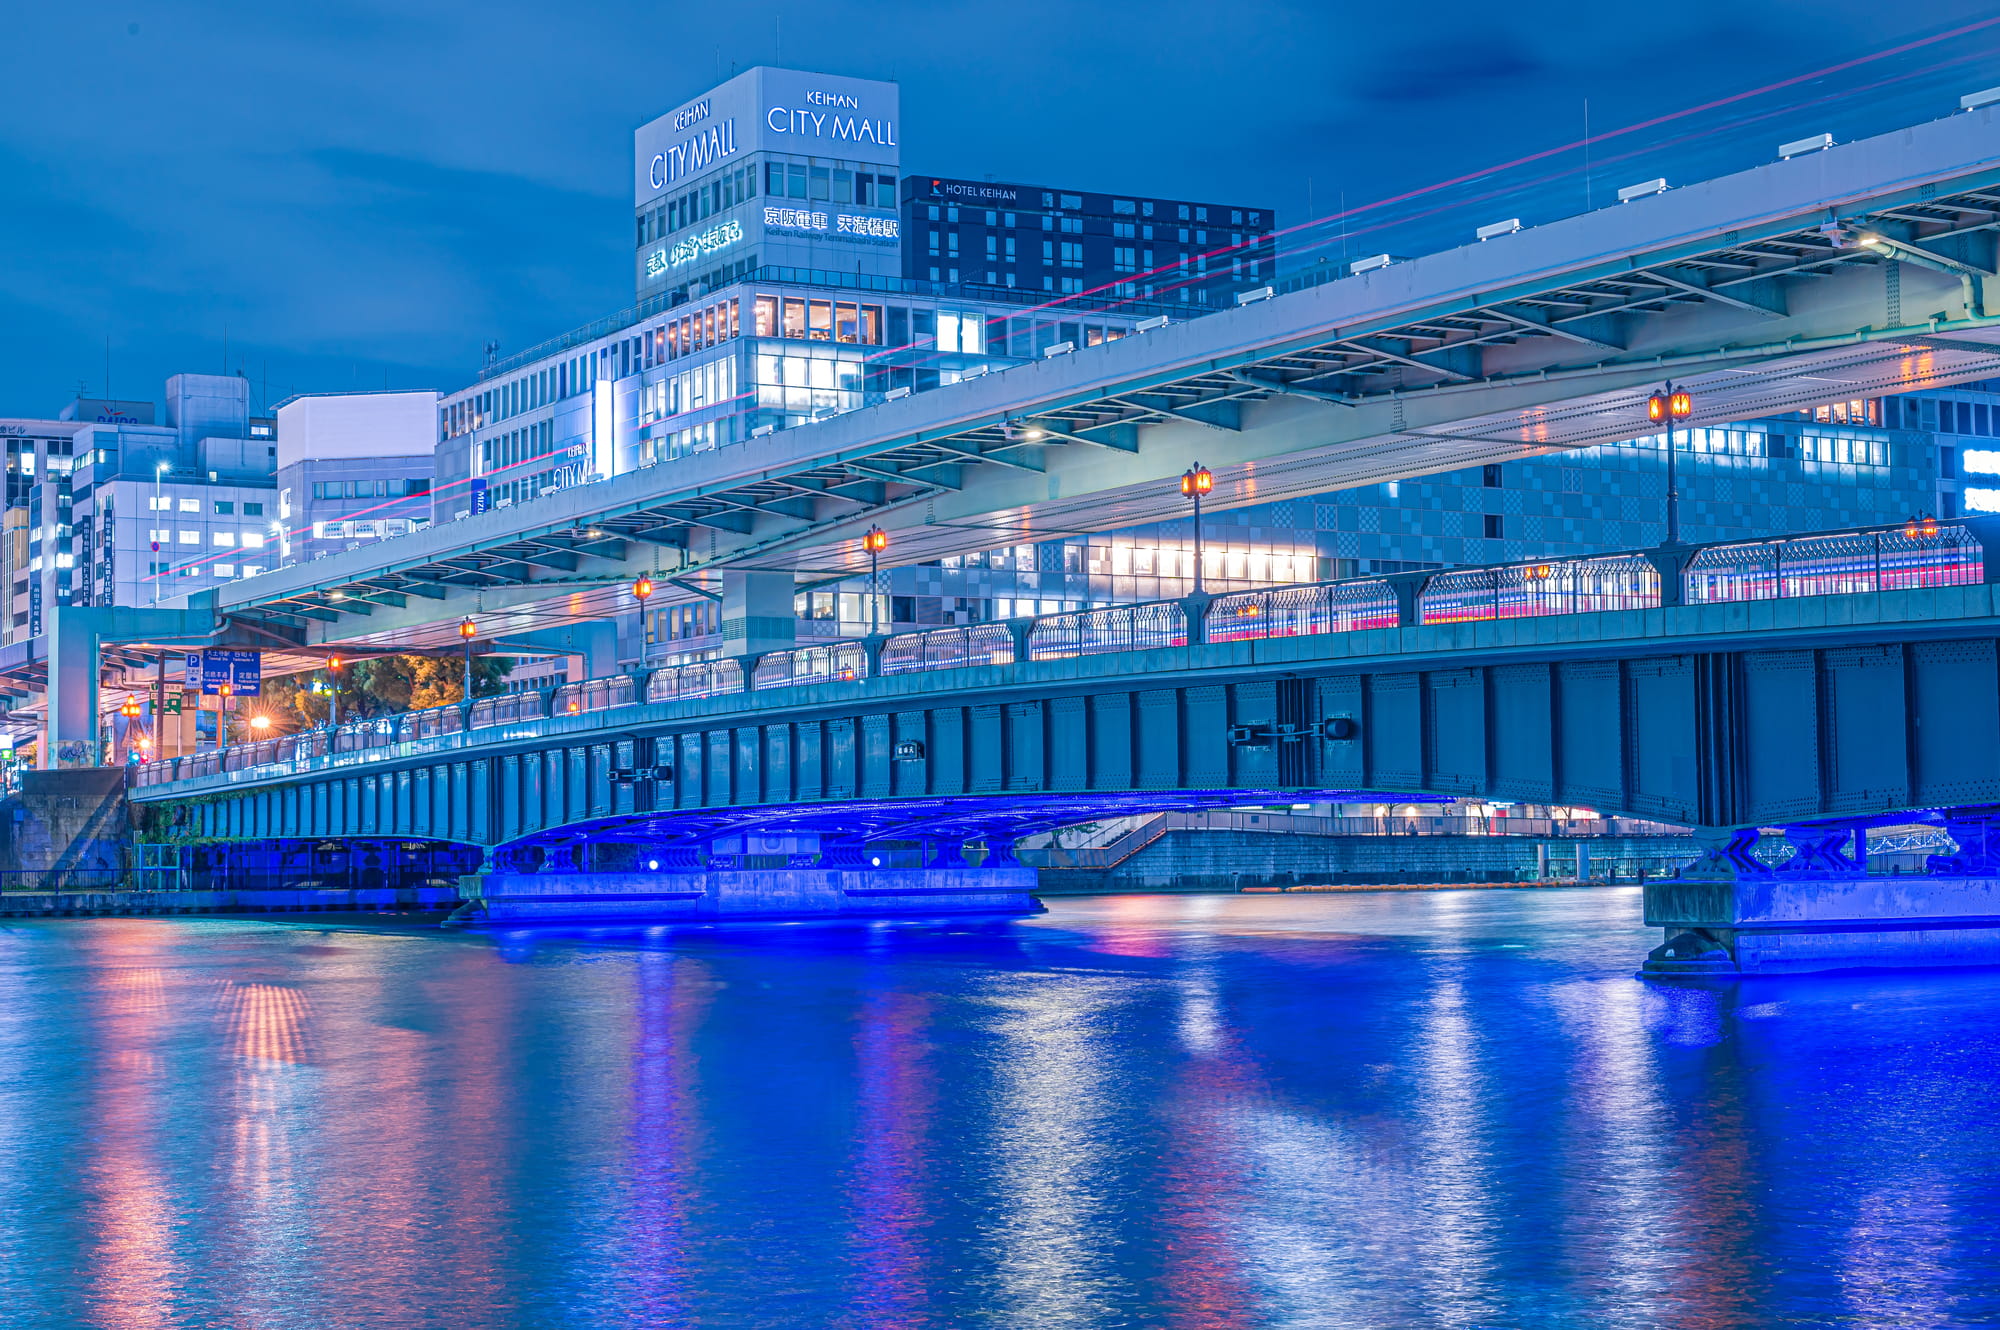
[1063, 242]
[777, 168]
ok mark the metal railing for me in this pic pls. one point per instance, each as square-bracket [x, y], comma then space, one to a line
[706, 678]
[1841, 564]
[948, 649]
[1935, 554]
[1118, 628]
[836, 662]
[1300, 611]
[1519, 591]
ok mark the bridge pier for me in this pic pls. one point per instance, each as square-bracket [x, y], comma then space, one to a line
[1730, 914]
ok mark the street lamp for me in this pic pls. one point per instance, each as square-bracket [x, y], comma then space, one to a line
[1664, 408]
[467, 630]
[1197, 481]
[874, 540]
[333, 692]
[159, 470]
[222, 716]
[642, 589]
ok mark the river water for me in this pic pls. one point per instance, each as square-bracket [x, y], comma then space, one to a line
[1384, 1109]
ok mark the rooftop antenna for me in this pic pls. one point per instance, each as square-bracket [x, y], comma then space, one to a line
[492, 353]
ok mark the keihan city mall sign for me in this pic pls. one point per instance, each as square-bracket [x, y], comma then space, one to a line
[773, 110]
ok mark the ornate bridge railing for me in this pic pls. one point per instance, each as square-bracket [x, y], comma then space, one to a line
[1918, 554]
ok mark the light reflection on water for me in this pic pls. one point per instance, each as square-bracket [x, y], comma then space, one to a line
[1207, 1113]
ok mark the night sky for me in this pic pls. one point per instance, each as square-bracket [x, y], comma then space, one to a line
[361, 194]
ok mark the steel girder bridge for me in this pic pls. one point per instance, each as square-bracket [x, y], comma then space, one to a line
[1815, 685]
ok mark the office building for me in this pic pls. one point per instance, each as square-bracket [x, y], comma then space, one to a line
[1064, 242]
[759, 355]
[352, 468]
[777, 168]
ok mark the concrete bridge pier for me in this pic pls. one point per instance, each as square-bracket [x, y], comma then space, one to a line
[579, 884]
[1733, 914]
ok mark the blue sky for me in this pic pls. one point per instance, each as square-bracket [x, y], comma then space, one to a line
[367, 193]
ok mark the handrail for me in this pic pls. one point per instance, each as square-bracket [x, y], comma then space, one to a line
[1907, 557]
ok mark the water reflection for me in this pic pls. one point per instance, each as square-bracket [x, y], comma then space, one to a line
[1212, 1114]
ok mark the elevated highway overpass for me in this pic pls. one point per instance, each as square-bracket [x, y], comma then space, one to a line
[1865, 269]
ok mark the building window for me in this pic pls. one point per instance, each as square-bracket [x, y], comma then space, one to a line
[225, 507]
[190, 505]
[1493, 526]
[1490, 476]
[253, 510]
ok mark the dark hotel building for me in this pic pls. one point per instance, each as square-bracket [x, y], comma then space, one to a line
[978, 233]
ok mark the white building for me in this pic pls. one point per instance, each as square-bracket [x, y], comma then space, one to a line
[777, 168]
[351, 468]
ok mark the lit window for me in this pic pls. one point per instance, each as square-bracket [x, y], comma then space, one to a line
[1980, 461]
[225, 537]
[1980, 500]
[190, 537]
[190, 505]
[252, 569]
[225, 570]
[253, 540]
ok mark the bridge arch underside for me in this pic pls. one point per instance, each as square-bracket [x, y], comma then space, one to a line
[947, 830]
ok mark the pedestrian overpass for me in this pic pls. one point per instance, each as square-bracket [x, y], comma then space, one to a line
[1817, 685]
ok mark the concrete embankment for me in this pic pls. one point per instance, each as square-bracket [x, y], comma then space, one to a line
[403, 901]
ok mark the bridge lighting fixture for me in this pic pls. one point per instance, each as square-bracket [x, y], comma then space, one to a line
[874, 540]
[1197, 481]
[1664, 407]
[1540, 572]
[1643, 189]
[260, 723]
[642, 588]
[466, 630]
[1924, 526]
[130, 708]
[1972, 101]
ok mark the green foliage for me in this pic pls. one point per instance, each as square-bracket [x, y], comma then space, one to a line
[385, 685]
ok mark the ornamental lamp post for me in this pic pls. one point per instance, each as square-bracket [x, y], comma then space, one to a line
[333, 692]
[874, 540]
[1664, 408]
[466, 631]
[1197, 481]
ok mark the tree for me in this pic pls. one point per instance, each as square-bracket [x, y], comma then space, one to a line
[385, 685]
